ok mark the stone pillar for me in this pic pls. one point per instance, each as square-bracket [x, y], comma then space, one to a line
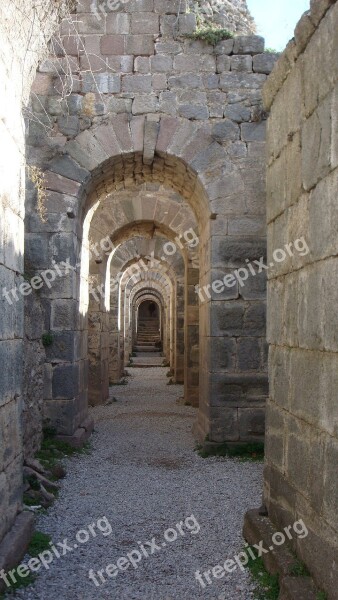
[114, 338]
[98, 341]
[179, 319]
[191, 338]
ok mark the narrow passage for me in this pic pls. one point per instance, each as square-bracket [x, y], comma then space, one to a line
[145, 478]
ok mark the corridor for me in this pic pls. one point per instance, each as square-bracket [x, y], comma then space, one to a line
[144, 477]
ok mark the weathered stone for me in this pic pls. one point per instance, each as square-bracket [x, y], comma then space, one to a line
[142, 64]
[69, 126]
[223, 63]
[187, 24]
[248, 45]
[193, 111]
[241, 64]
[117, 23]
[136, 83]
[145, 23]
[113, 44]
[253, 132]
[141, 45]
[264, 63]
[161, 64]
[224, 47]
[147, 104]
[238, 112]
[189, 80]
[225, 130]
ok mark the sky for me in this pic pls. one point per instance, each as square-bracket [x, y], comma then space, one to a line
[276, 19]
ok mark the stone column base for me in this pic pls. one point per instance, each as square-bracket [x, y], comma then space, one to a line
[15, 543]
[80, 436]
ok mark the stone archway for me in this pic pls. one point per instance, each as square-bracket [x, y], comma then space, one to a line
[108, 159]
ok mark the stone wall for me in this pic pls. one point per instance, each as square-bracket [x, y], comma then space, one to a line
[232, 15]
[17, 70]
[301, 476]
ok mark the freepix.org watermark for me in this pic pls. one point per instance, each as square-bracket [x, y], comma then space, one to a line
[253, 268]
[101, 7]
[56, 551]
[144, 550]
[104, 247]
[242, 558]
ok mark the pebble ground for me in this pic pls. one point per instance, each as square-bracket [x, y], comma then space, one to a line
[144, 476]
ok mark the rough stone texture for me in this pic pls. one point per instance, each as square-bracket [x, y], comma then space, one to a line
[231, 15]
[15, 543]
[301, 473]
[280, 560]
[17, 70]
[185, 116]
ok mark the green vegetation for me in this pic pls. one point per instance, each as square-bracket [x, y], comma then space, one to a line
[210, 34]
[271, 51]
[47, 339]
[53, 450]
[299, 569]
[321, 596]
[21, 582]
[39, 543]
[267, 585]
[252, 452]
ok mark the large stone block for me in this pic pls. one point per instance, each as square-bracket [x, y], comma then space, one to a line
[117, 23]
[143, 23]
[251, 423]
[225, 131]
[253, 132]
[190, 80]
[136, 83]
[65, 383]
[64, 315]
[316, 145]
[145, 104]
[67, 167]
[191, 63]
[234, 251]
[11, 433]
[193, 111]
[253, 44]
[238, 113]
[227, 318]
[161, 64]
[235, 81]
[140, 45]
[264, 63]
[223, 425]
[241, 64]
[249, 354]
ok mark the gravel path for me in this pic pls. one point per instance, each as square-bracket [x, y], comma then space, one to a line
[144, 477]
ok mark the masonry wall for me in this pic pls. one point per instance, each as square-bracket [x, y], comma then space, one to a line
[17, 70]
[301, 475]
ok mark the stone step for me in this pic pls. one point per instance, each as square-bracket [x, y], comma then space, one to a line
[145, 349]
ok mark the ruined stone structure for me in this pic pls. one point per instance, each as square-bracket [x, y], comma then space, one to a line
[229, 14]
[152, 146]
[161, 138]
[302, 447]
